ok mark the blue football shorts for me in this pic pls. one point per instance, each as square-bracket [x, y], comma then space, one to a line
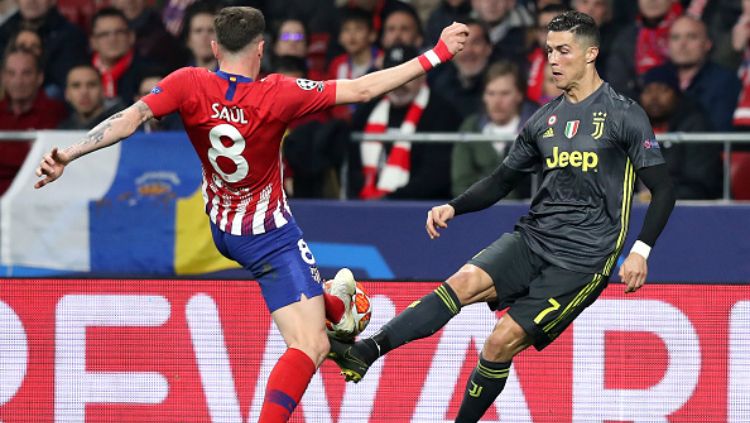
[279, 260]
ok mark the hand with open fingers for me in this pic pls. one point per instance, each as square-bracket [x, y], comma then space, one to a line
[633, 272]
[454, 36]
[51, 167]
[438, 217]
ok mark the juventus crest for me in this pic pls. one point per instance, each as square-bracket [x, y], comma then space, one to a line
[599, 118]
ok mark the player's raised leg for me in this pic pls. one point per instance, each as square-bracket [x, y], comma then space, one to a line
[421, 319]
[488, 378]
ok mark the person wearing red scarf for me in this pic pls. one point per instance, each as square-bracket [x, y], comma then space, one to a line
[402, 170]
[113, 44]
[641, 45]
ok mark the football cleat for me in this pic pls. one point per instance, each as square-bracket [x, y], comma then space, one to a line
[343, 286]
[346, 356]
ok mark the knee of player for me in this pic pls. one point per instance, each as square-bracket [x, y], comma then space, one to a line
[316, 346]
[506, 340]
[468, 285]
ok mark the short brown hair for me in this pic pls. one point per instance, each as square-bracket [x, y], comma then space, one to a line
[237, 27]
[12, 49]
[505, 68]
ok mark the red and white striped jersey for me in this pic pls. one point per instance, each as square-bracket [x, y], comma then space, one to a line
[236, 126]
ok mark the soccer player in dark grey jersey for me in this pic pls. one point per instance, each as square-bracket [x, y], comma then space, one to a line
[590, 143]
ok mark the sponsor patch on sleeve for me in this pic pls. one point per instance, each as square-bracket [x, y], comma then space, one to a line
[649, 144]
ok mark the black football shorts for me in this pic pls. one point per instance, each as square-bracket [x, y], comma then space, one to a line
[543, 298]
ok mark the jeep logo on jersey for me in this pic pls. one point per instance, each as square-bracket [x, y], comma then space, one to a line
[309, 85]
[584, 159]
[571, 128]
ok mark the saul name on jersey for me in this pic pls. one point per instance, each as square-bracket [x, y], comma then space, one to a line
[230, 114]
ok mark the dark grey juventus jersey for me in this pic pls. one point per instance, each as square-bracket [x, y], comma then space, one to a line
[588, 152]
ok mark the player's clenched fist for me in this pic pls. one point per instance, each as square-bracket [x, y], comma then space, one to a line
[51, 167]
[438, 217]
[451, 41]
[454, 36]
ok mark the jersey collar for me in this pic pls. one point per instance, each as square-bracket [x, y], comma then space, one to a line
[231, 77]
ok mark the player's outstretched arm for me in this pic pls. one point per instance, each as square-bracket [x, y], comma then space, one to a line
[375, 84]
[111, 131]
[482, 194]
[634, 269]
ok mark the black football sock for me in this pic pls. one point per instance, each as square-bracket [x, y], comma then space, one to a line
[485, 384]
[421, 319]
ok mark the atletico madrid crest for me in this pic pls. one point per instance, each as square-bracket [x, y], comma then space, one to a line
[571, 128]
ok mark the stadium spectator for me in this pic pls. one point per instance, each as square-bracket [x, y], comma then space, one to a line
[536, 60]
[462, 80]
[63, 42]
[446, 12]
[720, 17]
[170, 122]
[361, 55]
[714, 87]
[114, 55]
[25, 106]
[402, 26]
[314, 147]
[358, 39]
[410, 170]
[152, 40]
[380, 9]
[85, 96]
[696, 169]
[291, 39]
[198, 32]
[505, 113]
[601, 12]
[641, 45]
[507, 23]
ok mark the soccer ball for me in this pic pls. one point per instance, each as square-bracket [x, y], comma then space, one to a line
[361, 309]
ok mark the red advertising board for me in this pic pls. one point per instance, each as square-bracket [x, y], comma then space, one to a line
[199, 351]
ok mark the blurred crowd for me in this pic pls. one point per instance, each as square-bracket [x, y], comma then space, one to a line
[69, 64]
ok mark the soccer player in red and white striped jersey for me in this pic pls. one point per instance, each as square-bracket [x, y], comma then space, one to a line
[236, 123]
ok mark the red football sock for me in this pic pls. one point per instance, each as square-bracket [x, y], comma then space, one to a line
[334, 307]
[286, 384]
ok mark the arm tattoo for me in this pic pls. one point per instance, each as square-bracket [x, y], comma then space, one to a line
[144, 110]
[96, 136]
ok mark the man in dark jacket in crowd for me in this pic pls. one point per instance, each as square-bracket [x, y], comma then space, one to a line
[695, 168]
